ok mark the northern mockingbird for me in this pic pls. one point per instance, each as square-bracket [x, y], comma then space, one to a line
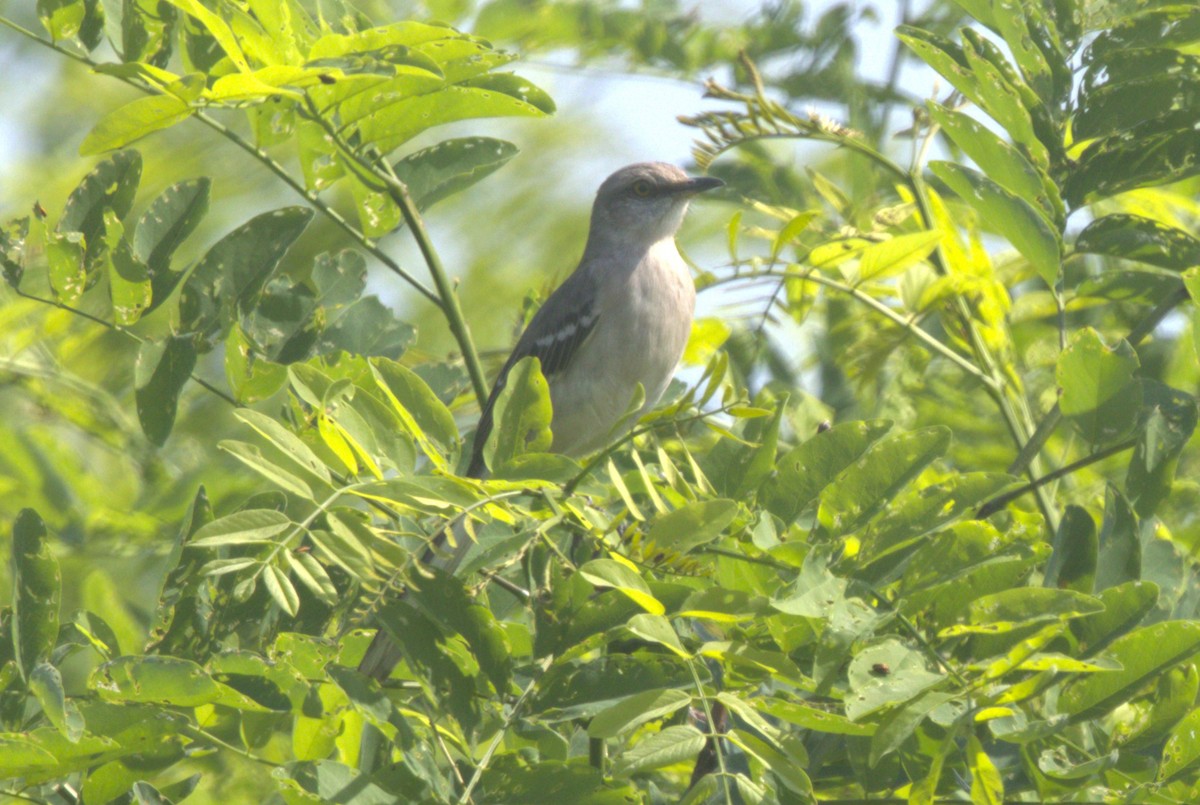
[621, 319]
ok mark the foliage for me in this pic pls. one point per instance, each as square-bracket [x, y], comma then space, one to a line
[978, 583]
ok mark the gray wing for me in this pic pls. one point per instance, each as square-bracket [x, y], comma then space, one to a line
[553, 337]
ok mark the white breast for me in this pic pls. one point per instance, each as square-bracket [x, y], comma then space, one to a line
[646, 316]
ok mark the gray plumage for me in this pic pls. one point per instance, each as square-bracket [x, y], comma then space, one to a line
[621, 319]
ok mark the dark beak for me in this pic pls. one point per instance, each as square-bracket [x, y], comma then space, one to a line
[693, 186]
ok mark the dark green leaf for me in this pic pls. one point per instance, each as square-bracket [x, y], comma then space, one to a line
[1124, 608]
[45, 683]
[1120, 558]
[111, 185]
[444, 600]
[163, 227]
[366, 327]
[1130, 160]
[808, 468]
[450, 167]
[1143, 655]
[1155, 27]
[1143, 239]
[12, 249]
[230, 277]
[867, 485]
[1072, 565]
[1099, 393]
[1147, 286]
[1019, 223]
[572, 690]
[36, 586]
[422, 643]
[161, 371]
[920, 511]
[1169, 422]
[331, 782]
[1165, 99]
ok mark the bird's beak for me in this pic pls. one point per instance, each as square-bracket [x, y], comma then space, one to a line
[698, 185]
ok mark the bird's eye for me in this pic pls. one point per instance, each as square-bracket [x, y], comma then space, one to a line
[642, 188]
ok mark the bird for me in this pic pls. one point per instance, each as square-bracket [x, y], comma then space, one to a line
[619, 321]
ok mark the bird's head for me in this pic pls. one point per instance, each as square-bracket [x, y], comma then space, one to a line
[642, 204]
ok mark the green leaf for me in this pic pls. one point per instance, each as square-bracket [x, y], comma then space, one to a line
[1170, 26]
[1032, 605]
[811, 718]
[230, 277]
[1130, 160]
[128, 278]
[1143, 655]
[161, 371]
[36, 587]
[133, 121]
[164, 680]
[241, 528]
[1120, 558]
[253, 458]
[1163, 100]
[329, 781]
[111, 185]
[45, 683]
[426, 416]
[1182, 748]
[896, 255]
[1147, 286]
[987, 785]
[620, 576]
[366, 327]
[1003, 164]
[389, 125]
[1099, 394]
[1124, 608]
[291, 444]
[62, 19]
[1019, 223]
[884, 675]
[1072, 565]
[694, 524]
[867, 485]
[1169, 422]
[66, 256]
[656, 629]
[808, 468]
[450, 167]
[920, 511]
[669, 746]
[636, 710]
[163, 227]
[281, 590]
[1133, 237]
[573, 691]
[522, 415]
[443, 599]
[19, 756]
